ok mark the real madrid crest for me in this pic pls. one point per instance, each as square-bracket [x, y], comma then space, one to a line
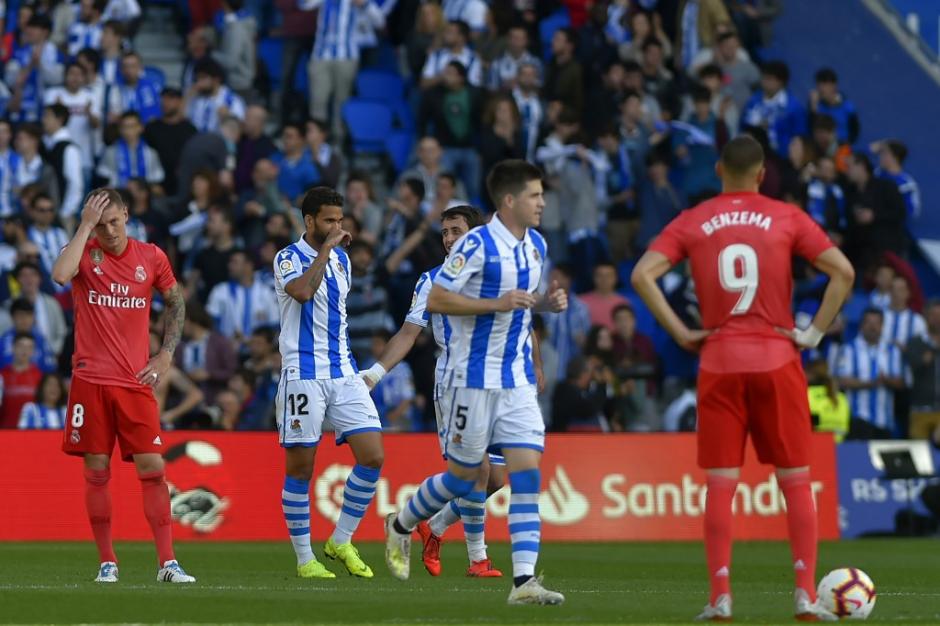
[140, 274]
[97, 256]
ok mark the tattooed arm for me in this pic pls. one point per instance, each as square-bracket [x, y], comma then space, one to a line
[173, 319]
[175, 315]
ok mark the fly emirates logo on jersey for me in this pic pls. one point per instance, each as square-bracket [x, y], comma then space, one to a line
[118, 297]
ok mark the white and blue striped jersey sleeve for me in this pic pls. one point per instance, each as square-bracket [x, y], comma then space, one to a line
[845, 363]
[466, 260]
[287, 267]
[418, 313]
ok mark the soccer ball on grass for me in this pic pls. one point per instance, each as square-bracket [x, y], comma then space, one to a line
[848, 592]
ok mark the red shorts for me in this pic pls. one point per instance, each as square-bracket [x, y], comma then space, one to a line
[772, 406]
[97, 414]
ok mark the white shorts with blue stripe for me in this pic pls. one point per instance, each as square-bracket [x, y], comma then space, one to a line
[472, 422]
[439, 390]
[302, 405]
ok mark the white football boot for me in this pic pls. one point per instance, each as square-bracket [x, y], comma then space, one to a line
[532, 592]
[720, 611]
[171, 572]
[107, 573]
[806, 611]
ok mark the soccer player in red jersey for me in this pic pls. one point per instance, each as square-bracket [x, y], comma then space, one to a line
[111, 396]
[740, 245]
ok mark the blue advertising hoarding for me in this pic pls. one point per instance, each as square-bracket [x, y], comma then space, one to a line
[868, 501]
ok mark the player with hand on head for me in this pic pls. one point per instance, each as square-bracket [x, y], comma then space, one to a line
[741, 245]
[471, 509]
[488, 289]
[113, 375]
[319, 380]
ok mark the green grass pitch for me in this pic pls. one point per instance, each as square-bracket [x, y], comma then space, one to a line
[604, 584]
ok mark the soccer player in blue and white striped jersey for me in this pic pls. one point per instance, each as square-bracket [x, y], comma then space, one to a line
[471, 509]
[901, 323]
[319, 381]
[870, 370]
[488, 289]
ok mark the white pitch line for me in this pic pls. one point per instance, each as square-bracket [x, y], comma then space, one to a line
[410, 588]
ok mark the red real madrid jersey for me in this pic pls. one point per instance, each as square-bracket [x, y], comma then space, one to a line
[741, 247]
[112, 296]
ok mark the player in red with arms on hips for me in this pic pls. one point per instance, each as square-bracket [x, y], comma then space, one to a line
[740, 245]
[111, 396]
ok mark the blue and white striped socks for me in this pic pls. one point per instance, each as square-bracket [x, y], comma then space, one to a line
[432, 496]
[295, 501]
[445, 518]
[525, 526]
[360, 488]
[473, 514]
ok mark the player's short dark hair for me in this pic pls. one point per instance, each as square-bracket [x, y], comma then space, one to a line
[22, 305]
[19, 336]
[510, 177]
[416, 186]
[873, 311]
[470, 214]
[209, 67]
[463, 27]
[26, 265]
[741, 155]
[897, 149]
[776, 69]
[114, 196]
[711, 69]
[826, 75]
[319, 197]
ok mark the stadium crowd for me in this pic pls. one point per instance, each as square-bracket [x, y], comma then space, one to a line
[623, 103]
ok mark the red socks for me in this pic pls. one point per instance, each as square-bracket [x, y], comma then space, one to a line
[718, 527]
[802, 527]
[157, 511]
[98, 505]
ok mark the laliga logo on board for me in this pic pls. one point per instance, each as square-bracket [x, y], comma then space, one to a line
[200, 506]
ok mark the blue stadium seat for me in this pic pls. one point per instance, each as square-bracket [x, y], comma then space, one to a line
[547, 28]
[270, 53]
[369, 122]
[156, 75]
[398, 146]
[380, 85]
